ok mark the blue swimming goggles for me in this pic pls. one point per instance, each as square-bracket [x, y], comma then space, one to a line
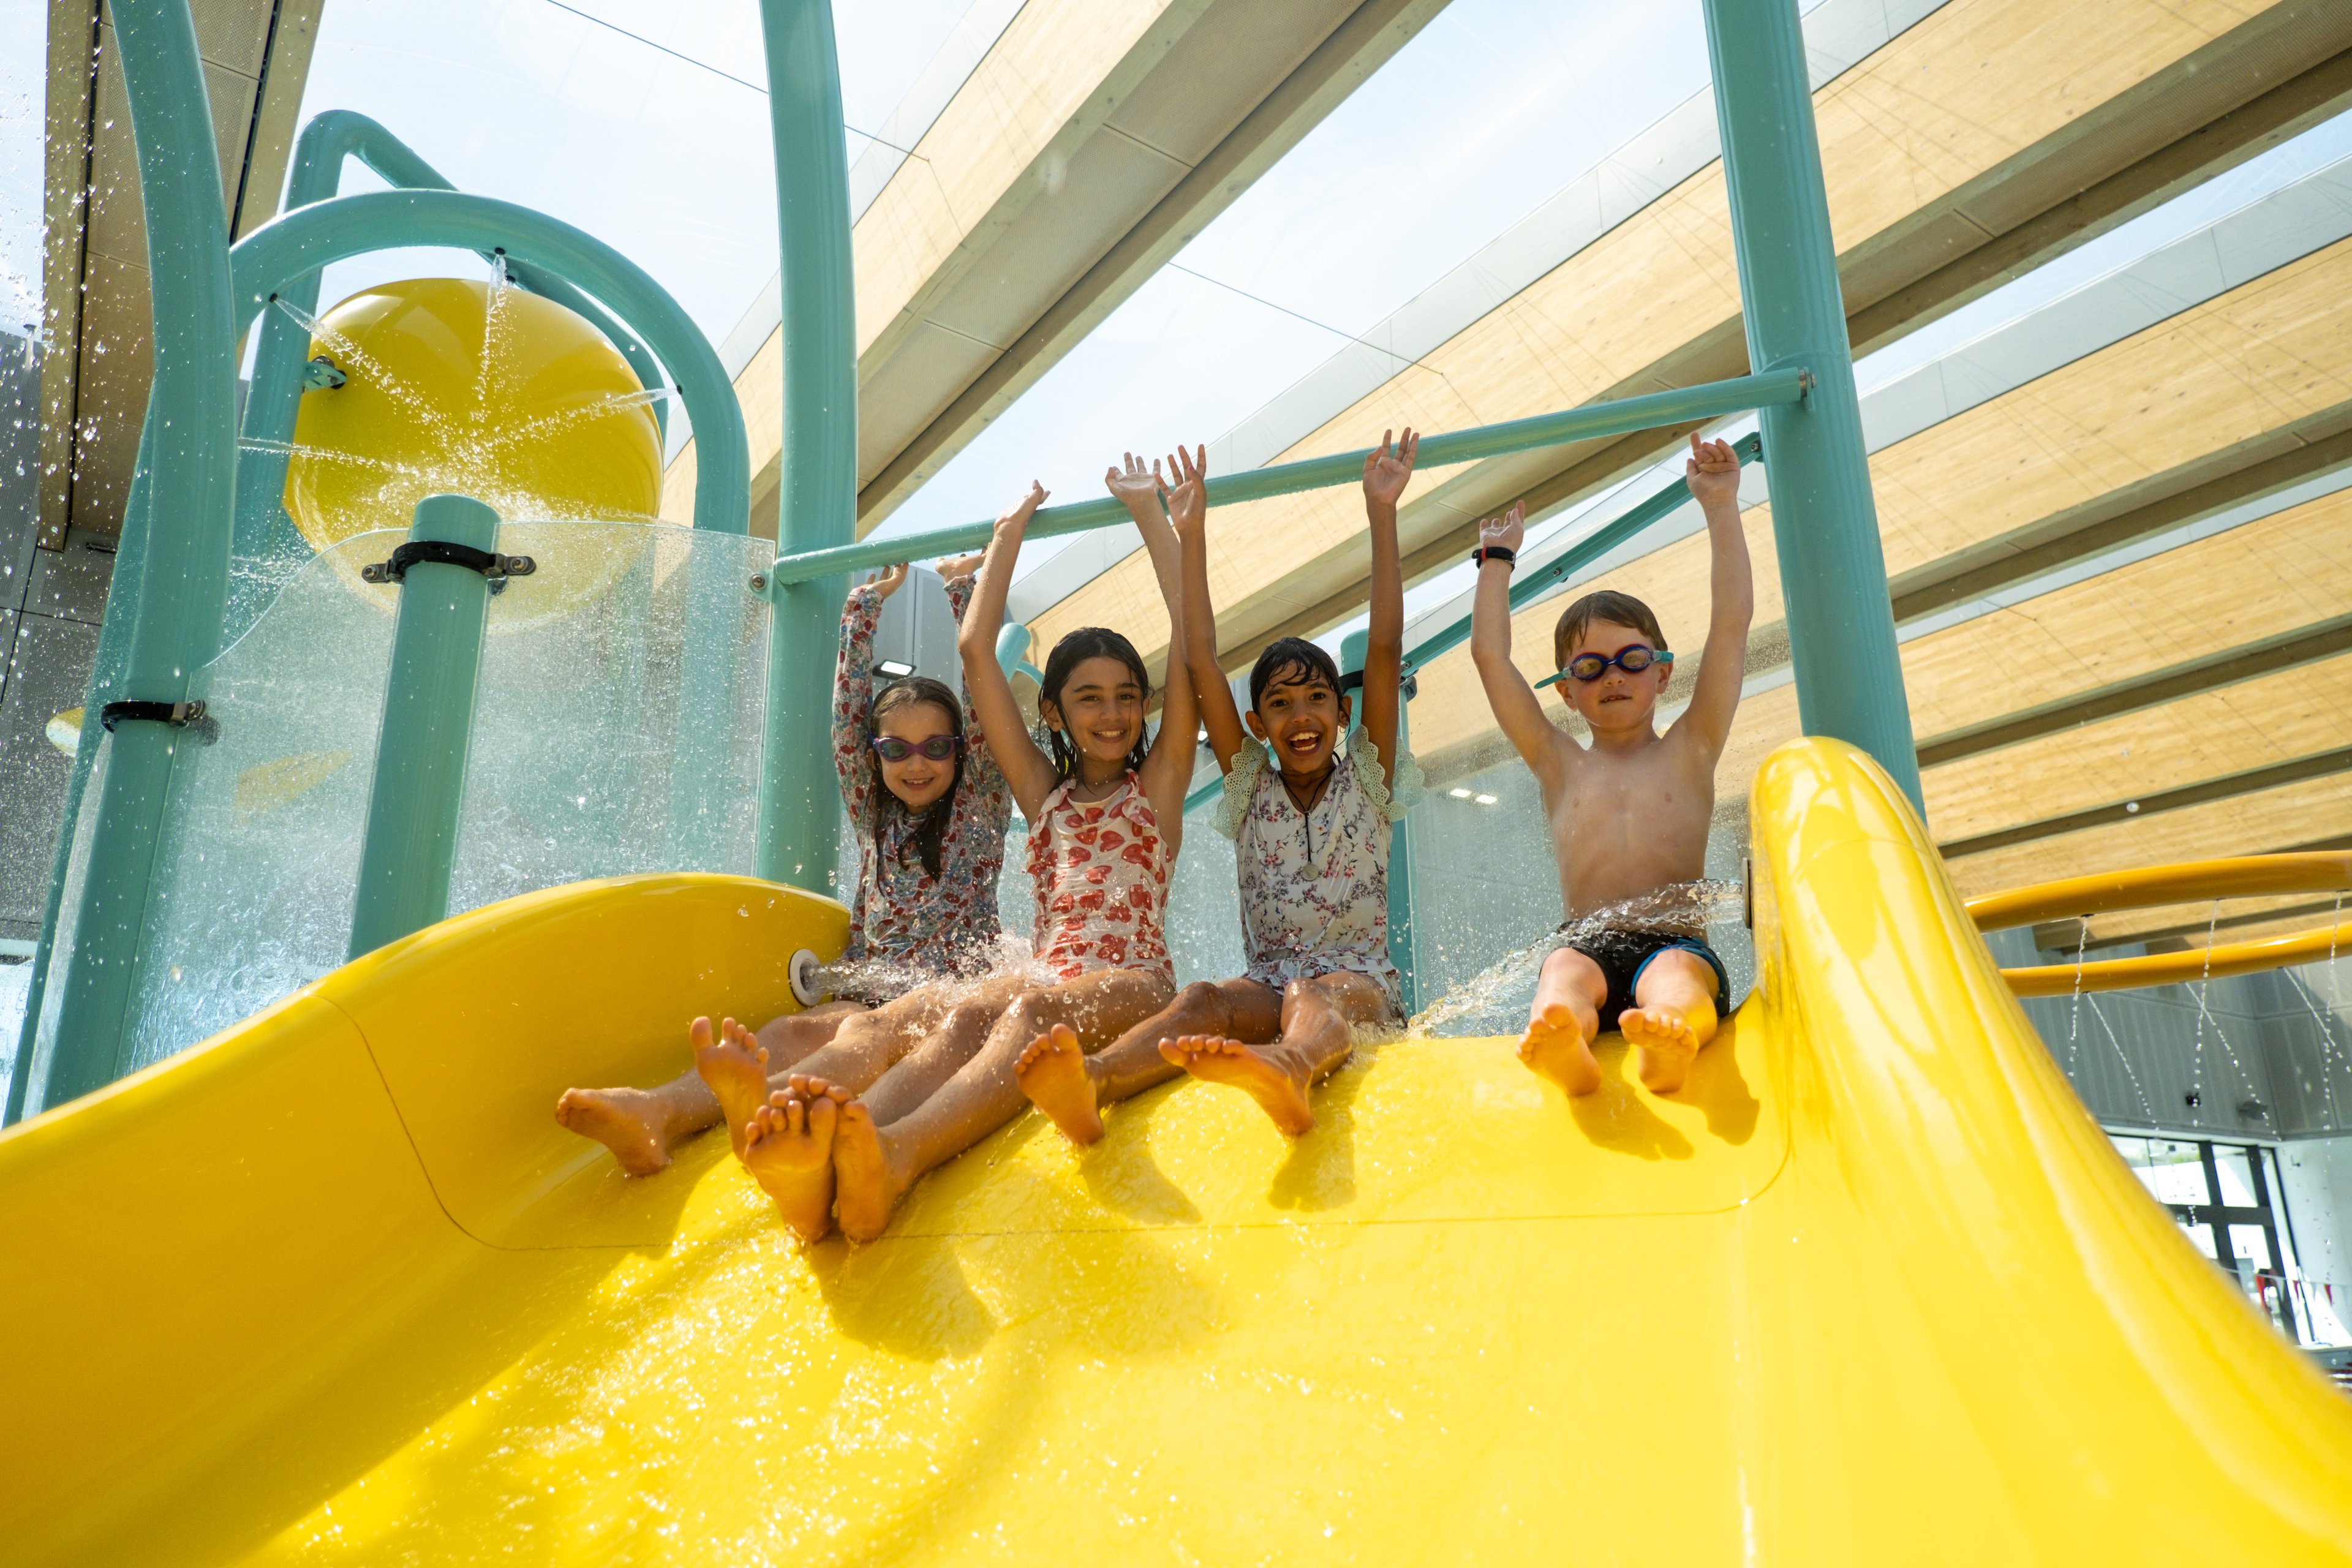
[1633, 658]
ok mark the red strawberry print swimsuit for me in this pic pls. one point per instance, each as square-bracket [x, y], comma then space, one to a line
[1101, 869]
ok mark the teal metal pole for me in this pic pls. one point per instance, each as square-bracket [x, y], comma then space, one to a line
[1680, 407]
[817, 497]
[1833, 567]
[184, 571]
[300, 242]
[1399, 874]
[429, 723]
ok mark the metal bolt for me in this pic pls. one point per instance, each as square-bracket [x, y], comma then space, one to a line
[758, 582]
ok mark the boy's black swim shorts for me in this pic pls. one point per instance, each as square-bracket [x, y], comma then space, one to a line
[1623, 954]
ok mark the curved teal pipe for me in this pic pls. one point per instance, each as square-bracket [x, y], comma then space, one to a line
[299, 243]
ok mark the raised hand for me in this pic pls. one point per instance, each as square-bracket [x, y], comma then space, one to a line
[1505, 530]
[890, 579]
[1136, 484]
[1712, 471]
[955, 567]
[1015, 518]
[1187, 490]
[1386, 467]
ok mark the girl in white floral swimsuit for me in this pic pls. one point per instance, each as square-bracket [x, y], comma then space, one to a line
[1106, 810]
[1311, 837]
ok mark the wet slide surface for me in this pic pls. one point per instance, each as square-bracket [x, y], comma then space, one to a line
[334, 1288]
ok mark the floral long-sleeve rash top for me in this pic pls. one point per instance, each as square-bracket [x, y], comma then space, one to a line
[902, 916]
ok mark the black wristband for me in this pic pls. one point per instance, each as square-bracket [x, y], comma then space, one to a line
[1485, 553]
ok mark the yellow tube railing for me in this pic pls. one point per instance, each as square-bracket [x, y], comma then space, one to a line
[2251, 876]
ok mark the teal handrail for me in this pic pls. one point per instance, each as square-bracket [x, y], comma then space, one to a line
[1683, 405]
[299, 243]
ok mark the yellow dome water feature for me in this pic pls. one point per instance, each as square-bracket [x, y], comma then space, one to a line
[455, 384]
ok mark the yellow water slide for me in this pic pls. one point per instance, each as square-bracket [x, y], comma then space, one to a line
[333, 1287]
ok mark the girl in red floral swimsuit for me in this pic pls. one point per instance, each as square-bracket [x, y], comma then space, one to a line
[1106, 809]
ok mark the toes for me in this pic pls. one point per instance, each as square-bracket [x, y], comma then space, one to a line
[697, 1034]
[822, 1115]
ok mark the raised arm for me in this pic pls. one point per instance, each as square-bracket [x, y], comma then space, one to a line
[1026, 768]
[1516, 708]
[853, 686]
[1713, 474]
[1211, 693]
[1167, 768]
[1385, 474]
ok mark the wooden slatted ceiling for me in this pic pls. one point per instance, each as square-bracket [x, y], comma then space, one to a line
[2268, 353]
[1969, 87]
[2244, 825]
[2294, 714]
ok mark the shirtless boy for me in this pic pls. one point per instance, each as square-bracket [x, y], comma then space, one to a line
[1628, 813]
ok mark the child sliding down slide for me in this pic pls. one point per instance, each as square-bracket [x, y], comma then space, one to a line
[929, 807]
[1105, 812]
[1629, 813]
[1312, 836]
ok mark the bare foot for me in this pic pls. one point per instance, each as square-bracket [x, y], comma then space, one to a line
[1277, 1093]
[1053, 1074]
[631, 1122]
[788, 1149]
[735, 1066]
[1555, 1048]
[868, 1182]
[1668, 1042]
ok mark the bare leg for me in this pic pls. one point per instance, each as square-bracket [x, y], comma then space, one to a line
[1563, 1020]
[642, 1125]
[923, 1072]
[869, 1047]
[874, 1164]
[1071, 1087]
[788, 1149]
[1672, 1016]
[1317, 1019]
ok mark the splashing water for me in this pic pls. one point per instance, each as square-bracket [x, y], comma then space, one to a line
[884, 977]
[1679, 908]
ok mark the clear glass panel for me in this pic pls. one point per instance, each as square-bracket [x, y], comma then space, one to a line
[261, 842]
[591, 688]
[2237, 1180]
[618, 724]
[2172, 1172]
[2252, 1246]
[53, 988]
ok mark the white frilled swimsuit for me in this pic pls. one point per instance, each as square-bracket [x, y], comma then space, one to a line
[1315, 885]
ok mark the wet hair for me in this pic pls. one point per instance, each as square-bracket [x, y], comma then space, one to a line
[1617, 609]
[1292, 661]
[1086, 643]
[931, 822]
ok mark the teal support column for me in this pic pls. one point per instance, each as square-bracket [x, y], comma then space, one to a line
[183, 574]
[1401, 953]
[1833, 567]
[817, 497]
[428, 724]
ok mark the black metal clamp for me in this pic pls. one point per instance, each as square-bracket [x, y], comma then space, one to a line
[189, 716]
[440, 553]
